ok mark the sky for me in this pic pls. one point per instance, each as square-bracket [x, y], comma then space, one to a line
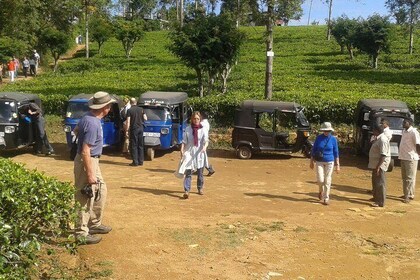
[352, 8]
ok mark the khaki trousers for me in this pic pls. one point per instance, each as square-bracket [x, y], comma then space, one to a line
[324, 171]
[91, 213]
[408, 174]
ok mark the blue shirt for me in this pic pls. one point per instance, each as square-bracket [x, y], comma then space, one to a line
[331, 148]
[90, 132]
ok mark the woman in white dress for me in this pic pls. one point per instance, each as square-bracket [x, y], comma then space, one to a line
[195, 142]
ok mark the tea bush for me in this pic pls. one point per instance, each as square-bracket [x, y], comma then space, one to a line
[34, 209]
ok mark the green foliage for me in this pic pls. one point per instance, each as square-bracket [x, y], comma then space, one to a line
[373, 36]
[100, 30]
[307, 69]
[128, 32]
[56, 41]
[344, 31]
[288, 10]
[207, 44]
[11, 47]
[33, 209]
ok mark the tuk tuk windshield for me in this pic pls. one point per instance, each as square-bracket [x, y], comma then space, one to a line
[395, 122]
[77, 110]
[7, 108]
[301, 118]
[156, 113]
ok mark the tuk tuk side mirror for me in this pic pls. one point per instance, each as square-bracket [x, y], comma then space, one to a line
[365, 127]
[412, 117]
[366, 116]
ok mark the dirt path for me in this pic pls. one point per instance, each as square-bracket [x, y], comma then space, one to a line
[258, 219]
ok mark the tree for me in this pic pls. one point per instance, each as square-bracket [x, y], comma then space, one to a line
[101, 30]
[128, 32]
[344, 30]
[287, 10]
[373, 37]
[56, 41]
[406, 11]
[209, 45]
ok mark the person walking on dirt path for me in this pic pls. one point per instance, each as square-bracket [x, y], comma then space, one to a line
[17, 65]
[123, 115]
[37, 59]
[32, 66]
[408, 154]
[25, 66]
[324, 154]
[11, 68]
[195, 141]
[1, 72]
[379, 159]
[135, 127]
[35, 113]
[206, 126]
[91, 190]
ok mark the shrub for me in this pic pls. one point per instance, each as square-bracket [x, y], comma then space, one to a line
[34, 209]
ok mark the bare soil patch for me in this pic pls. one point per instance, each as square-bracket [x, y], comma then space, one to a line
[258, 219]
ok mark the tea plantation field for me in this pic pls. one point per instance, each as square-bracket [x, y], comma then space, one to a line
[308, 69]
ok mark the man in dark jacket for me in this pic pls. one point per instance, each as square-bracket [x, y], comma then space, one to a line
[135, 122]
[35, 113]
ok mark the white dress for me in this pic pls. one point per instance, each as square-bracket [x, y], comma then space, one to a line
[198, 159]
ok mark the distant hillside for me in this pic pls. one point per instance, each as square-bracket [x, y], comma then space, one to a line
[307, 69]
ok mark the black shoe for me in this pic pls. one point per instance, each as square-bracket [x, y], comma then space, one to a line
[102, 229]
[49, 153]
[38, 152]
[133, 164]
[89, 239]
[211, 172]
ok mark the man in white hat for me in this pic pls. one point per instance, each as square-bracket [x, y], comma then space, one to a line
[91, 189]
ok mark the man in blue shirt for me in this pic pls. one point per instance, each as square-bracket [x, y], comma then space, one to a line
[91, 189]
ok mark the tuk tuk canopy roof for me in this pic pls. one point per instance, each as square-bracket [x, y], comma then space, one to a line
[20, 97]
[244, 114]
[270, 106]
[87, 96]
[162, 97]
[378, 104]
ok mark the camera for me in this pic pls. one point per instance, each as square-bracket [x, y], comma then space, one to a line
[87, 190]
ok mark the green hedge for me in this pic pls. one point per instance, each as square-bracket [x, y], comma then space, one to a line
[34, 209]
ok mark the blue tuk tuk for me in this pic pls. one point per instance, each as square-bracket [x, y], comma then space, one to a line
[112, 126]
[167, 116]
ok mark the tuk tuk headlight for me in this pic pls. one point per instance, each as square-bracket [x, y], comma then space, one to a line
[306, 133]
[164, 130]
[9, 129]
[67, 128]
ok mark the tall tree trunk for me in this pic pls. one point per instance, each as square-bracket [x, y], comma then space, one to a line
[87, 28]
[309, 14]
[181, 13]
[410, 47]
[177, 9]
[225, 75]
[350, 50]
[375, 61]
[329, 19]
[269, 42]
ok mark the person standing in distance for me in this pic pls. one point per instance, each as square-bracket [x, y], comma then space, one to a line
[325, 144]
[35, 113]
[87, 171]
[135, 121]
[379, 159]
[408, 154]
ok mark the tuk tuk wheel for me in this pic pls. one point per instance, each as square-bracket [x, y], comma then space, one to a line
[150, 153]
[244, 152]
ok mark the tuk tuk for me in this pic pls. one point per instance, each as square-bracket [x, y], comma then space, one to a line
[371, 111]
[270, 126]
[167, 116]
[112, 125]
[16, 129]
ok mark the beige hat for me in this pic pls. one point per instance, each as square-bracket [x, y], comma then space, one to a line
[100, 100]
[326, 126]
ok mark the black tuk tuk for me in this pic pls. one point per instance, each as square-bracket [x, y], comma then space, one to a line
[371, 111]
[270, 126]
[16, 129]
[167, 117]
